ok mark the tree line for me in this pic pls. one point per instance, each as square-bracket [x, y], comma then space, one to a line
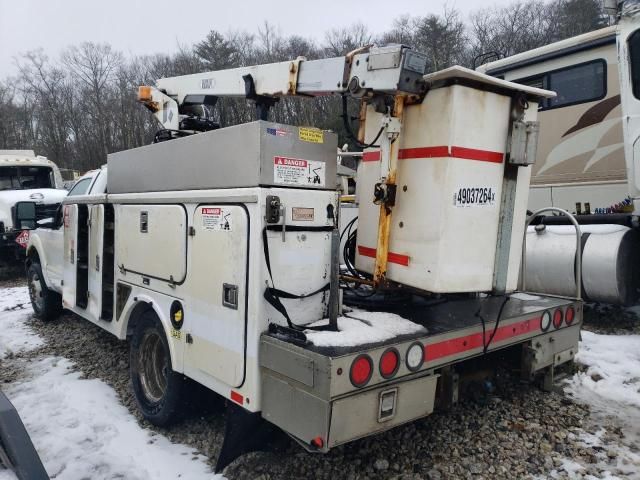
[81, 105]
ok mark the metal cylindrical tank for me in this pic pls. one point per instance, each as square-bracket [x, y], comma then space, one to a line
[610, 255]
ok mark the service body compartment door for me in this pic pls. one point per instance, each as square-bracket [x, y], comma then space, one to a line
[96, 234]
[218, 287]
[151, 240]
[70, 226]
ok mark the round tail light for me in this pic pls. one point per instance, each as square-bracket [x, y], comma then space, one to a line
[389, 363]
[569, 316]
[557, 318]
[415, 356]
[545, 321]
[361, 370]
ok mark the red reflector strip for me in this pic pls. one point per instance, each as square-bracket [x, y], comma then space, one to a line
[236, 397]
[474, 154]
[424, 152]
[439, 152]
[391, 257]
[454, 346]
[371, 156]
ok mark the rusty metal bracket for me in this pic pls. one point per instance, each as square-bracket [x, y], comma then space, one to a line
[294, 70]
[384, 221]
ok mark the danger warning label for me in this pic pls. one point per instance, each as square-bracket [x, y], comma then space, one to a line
[294, 171]
[216, 218]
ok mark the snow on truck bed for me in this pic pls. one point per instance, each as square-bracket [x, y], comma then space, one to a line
[361, 327]
[78, 426]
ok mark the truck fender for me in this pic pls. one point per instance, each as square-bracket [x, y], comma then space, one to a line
[132, 314]
[35, 252]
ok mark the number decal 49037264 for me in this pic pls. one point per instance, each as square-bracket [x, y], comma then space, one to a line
[474, 196]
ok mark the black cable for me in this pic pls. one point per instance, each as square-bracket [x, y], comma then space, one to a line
[347, 127]
[486, 344]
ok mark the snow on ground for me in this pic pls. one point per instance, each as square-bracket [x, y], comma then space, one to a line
[611, 387]
[524, 296]
[79, 426]
[15, 336]
[360, 327]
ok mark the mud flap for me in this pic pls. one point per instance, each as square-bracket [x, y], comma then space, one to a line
[245, 432]
[16, 450]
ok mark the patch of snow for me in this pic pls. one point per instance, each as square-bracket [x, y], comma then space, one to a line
[524, 296]
[362, 327]
[7, 474]
[81, 430]
[611, 388]
[15, 308]
[613, 373]
[569, 466]
[79, 427]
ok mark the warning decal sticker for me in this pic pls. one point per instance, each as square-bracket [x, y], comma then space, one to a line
[312, 135]
[294, 171]
[217, 219]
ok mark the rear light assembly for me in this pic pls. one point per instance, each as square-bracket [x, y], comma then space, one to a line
[389, 363]
[545, 321]
[361, 370]
[569, 316]
[557, 318]
[415, 356]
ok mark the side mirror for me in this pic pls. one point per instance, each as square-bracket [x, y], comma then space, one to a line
[25, 216]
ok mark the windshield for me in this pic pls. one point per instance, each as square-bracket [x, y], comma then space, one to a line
[22, 178]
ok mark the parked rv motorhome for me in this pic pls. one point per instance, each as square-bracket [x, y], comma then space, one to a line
[580, 147]
[588, 158]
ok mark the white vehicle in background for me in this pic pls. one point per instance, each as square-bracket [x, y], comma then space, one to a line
[25, 176]
[588, 158]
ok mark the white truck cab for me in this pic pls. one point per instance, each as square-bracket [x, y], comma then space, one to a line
[44, 248]
[25, 176]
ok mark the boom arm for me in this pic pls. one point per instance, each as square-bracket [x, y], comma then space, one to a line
[388, 70]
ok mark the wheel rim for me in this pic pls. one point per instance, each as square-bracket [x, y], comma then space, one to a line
[35, 291]
[153, 367]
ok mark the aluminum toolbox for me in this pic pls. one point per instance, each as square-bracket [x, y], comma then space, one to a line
[248, 155]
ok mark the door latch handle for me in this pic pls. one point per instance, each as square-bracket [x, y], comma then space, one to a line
[230, 296]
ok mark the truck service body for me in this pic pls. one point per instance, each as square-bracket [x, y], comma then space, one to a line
[219, 262]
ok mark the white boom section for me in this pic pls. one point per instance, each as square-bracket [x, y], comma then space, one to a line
[393, 70]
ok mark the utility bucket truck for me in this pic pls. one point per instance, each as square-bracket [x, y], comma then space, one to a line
[588, 157]
[215, 251]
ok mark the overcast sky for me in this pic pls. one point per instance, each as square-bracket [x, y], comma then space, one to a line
[145, 27]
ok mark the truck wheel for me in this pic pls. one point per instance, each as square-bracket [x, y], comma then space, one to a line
[157, 388]
[46, 303]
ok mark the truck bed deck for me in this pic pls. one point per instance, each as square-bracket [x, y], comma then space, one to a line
[452, 318]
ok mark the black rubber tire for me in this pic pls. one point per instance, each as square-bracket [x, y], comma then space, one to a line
[47, 304]
[164, 408]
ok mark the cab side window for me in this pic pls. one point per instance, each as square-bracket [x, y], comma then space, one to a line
[81, 187]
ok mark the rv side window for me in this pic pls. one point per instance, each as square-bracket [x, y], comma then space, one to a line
[578, 84]
[634, 60]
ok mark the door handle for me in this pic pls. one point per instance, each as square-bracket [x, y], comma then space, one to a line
[230, 296]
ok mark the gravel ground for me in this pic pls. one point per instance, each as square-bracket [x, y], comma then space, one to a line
[517, 432]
